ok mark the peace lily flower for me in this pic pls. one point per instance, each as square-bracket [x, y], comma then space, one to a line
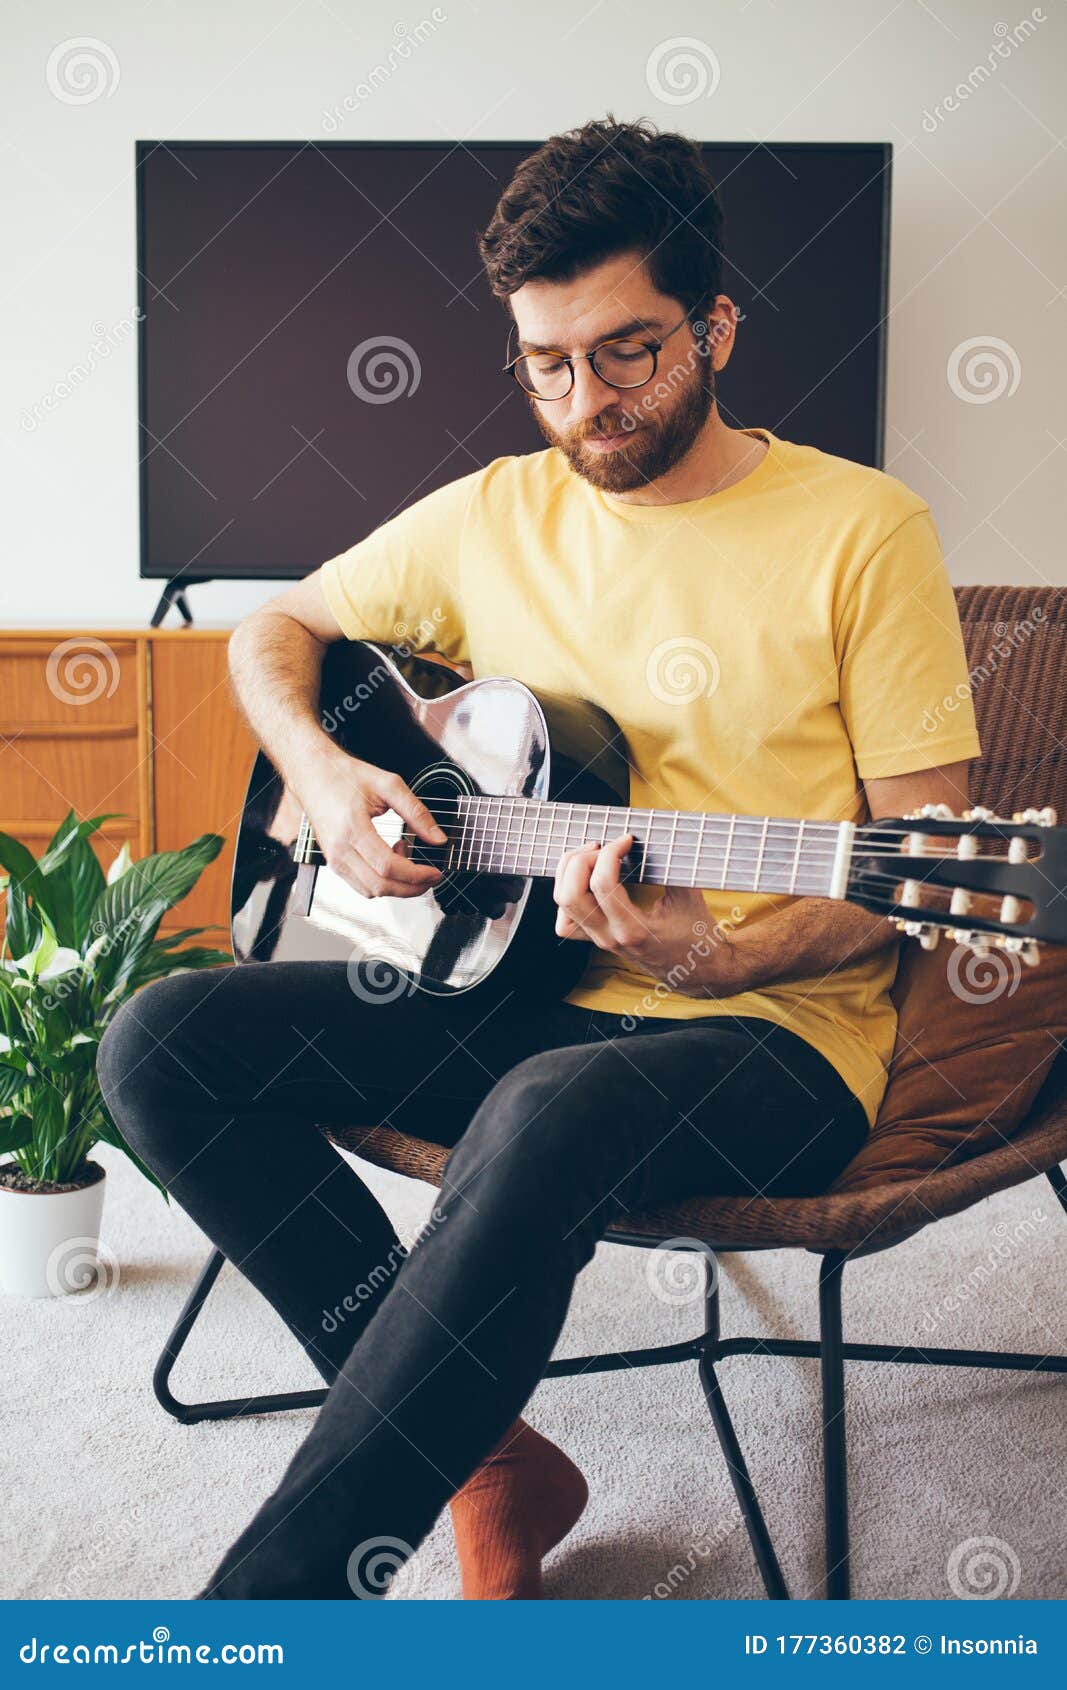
[78, 943]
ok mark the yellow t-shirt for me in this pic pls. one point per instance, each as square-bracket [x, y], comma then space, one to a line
[764, 650]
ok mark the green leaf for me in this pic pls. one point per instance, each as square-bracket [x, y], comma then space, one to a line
[16, 1132]
[49, 1124]
[128, 912]
[159, 961]
[11, 1083]
[75, 878]
[168, 876]
[169, 940]
[75, 1060]
[71, 829]
[108, 1133]
[25, 893]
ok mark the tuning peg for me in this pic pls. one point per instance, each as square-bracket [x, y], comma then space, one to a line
[1010, 911]
[929, 937]
[938, 812]
[1038, 818]
[979, 813]
[980, 943]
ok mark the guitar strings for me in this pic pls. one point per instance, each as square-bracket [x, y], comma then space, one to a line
[707, 827]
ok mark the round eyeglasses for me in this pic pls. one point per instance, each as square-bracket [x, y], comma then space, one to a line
[618, 362]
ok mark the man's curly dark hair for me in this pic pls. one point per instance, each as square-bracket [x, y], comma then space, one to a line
[605, 188]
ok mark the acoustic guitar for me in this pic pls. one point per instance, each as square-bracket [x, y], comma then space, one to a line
[516, 778]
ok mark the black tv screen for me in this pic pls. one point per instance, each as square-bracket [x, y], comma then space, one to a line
[319, 348]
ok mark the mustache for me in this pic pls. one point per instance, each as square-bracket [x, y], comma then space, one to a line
[623, 425]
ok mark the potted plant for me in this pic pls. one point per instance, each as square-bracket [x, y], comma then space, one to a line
[76, 944]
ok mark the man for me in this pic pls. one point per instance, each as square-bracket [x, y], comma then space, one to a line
[771, 627]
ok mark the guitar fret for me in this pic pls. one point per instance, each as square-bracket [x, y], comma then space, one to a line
[507, 836]
[796, 859]
[699, 850]
[762, 848]
[726, 859]
[670, 847]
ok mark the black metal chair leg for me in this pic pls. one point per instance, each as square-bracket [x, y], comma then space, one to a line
[835, 1476]
[232, 1408]
[744, 1490]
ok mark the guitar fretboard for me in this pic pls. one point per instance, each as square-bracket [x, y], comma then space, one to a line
[527, 837]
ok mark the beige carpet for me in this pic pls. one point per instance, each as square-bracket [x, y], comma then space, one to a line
[959, 1477]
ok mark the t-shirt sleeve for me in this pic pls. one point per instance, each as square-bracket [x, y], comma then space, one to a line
[904, 689]
[401, 585]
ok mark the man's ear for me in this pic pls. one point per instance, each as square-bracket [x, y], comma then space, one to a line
[722, 320]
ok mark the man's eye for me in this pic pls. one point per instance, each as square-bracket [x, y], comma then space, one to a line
[546, 366]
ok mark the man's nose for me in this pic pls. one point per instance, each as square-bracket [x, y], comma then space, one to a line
[590, 394]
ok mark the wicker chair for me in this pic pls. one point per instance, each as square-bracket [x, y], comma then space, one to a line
[1019, 739]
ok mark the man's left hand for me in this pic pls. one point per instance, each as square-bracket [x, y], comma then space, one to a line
[671, 938]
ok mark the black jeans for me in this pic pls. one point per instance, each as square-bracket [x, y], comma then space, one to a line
[561, 1119]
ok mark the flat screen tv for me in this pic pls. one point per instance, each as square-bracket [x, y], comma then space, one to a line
[288, 290]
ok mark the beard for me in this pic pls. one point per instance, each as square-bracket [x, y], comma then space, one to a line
[654, 442]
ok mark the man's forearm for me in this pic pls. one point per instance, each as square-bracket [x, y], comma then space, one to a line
[807, 939]
[276, 668]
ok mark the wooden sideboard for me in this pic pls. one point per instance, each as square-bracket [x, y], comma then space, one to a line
[136, 720]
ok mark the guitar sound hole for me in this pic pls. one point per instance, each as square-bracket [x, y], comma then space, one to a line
[477, 895]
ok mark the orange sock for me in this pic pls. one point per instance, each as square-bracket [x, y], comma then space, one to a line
[514, 1508]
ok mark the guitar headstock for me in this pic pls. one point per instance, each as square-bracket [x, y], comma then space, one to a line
[984, 880]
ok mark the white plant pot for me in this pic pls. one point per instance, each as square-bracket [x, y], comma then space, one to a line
[49, 1240]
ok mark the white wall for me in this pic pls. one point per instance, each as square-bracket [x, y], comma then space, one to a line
[979, 230]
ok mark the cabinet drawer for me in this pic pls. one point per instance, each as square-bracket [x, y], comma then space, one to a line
[71, 682]
[43, 778]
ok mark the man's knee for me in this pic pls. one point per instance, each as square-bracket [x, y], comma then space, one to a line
[136, 1056]
[533, 1131]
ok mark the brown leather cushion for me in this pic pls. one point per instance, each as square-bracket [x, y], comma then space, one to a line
[976, 1037]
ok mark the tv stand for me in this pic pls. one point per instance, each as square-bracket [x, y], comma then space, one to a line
[174, 594]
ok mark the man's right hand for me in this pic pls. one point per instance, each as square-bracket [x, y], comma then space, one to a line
[341, 795]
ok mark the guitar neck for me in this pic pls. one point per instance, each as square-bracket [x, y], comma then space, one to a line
[527, 837]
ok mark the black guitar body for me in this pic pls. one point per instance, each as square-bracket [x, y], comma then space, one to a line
[446, 738]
